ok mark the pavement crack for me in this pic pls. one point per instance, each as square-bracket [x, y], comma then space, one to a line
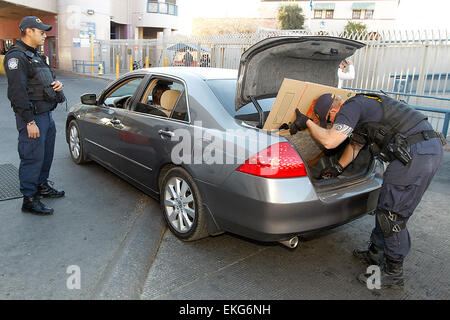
[158, 246]
[139, 210]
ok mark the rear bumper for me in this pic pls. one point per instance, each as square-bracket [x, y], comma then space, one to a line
[276, 209]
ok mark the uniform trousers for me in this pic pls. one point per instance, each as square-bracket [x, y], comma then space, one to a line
[403, 188]
[36, 155]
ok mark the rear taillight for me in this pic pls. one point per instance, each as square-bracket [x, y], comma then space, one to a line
[277, 161]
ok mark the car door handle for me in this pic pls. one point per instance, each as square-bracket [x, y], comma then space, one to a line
[169, 134]
[115, 121]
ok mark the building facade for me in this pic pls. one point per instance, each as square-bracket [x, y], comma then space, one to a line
[76, 22]
[325, 15]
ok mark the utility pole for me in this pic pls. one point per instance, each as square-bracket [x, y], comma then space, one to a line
[310, 14]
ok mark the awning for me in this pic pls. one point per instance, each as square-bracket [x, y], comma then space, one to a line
[363, 6]
[187, 46]
[323, 6]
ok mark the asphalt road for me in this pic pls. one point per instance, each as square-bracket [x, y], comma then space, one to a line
[92, 228]
[116, 237]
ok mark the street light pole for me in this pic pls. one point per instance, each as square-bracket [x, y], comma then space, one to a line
[310, 14]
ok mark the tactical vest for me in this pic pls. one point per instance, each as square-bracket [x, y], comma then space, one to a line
[39, 85]
[398, 118]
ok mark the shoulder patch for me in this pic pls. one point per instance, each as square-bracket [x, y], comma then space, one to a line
[343, 128]
[13, 63]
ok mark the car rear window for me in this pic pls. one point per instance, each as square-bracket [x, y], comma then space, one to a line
[225, 91]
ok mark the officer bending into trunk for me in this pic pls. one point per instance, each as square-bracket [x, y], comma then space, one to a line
[33, 93]
[397, 134]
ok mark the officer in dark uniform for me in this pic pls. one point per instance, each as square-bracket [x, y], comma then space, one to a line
[33, 93]
[397, 134]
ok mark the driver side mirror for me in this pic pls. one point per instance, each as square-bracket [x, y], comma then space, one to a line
[89, 98]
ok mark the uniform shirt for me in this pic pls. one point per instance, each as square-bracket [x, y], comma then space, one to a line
[18, 70]
[356, 112]
[362, 109]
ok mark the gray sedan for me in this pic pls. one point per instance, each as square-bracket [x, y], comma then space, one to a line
[192, 138]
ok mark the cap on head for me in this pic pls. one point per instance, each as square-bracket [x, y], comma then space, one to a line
[33, 22]
[322, 106]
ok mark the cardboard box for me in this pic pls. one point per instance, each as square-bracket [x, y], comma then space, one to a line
[295, 94]
[301, 95]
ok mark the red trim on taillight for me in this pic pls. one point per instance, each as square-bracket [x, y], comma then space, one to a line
[277, 161]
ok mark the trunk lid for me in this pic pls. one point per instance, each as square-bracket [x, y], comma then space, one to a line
[307, 58]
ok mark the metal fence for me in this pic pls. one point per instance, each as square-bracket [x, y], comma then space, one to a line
[415, 63]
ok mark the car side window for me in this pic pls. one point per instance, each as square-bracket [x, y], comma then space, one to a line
[120, 96]
[180, 111]
[164, 98]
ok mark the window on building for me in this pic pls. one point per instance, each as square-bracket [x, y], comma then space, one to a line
[317, 14]
[329, 14]
[117, 31]
[168, 7]
[368, 14]
[153, 7]
[172, 9]
[163, 8]
[356, 14]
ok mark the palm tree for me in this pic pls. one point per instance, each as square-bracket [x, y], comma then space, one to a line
[290, 16]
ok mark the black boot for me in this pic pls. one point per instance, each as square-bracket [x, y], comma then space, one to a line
[391, 275]
[374, 255]
[47, 191]
[35, 206]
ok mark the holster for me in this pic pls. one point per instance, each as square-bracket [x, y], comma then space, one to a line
[390, 223]
[399, 148]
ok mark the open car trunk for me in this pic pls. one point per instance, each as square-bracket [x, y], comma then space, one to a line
[262, 70]
[318, 158]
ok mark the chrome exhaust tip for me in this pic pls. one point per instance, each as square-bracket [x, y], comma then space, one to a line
[292, 243]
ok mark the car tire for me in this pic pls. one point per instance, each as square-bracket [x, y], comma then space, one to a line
[76, 148]
[182, 205]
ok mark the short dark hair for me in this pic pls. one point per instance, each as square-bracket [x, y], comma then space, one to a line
[159, 87]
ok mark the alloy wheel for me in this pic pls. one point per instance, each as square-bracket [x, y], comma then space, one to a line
[180, 204]
[74, 141]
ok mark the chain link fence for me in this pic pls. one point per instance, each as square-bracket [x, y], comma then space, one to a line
[410, 62]
[401, 61]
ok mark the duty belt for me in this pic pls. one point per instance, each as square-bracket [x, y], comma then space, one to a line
[426, 135]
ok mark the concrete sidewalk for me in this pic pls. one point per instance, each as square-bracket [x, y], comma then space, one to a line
[106, 77]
